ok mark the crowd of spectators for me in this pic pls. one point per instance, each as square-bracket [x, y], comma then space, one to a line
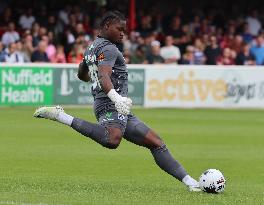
[61, 36]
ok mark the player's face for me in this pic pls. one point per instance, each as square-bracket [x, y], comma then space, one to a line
[116, 31]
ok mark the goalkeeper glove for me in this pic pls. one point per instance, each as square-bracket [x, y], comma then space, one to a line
[122, 104]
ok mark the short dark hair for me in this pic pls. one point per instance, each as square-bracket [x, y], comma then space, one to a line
[111, 16]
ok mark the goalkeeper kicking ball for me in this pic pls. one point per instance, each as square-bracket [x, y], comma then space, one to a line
[212, 181]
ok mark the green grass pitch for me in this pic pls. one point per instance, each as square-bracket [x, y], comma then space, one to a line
[44, 163]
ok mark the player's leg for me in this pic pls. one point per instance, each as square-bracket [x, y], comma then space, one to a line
[106, 134]
[138, 133]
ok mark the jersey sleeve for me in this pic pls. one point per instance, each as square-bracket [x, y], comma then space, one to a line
[107, 55]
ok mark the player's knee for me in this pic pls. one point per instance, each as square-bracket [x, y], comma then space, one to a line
[152, 140]
[115, 137]
[156, 143]
[114, 142]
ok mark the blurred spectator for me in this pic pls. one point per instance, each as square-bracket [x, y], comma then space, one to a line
[83, 39]
[232, 26]
[35, 34]
[127, 56]
[87, 24]
[20, 52]
[253, 23]
[133, 41]
[206, 26]
[138, 57]
[2, 52]
[64, 14]
[72, 21]
[258, 50]
[78, 13]
[195, 26]
[42, 31]
[68, 40]
[244, 57]
[169, 52]
[76, 54]
[6, 17]
[206, 39]
[147, 41]
[219, 35]
[226, 41]
[12, 56]
[52, 38]
[212, 51]
[175, 29]
[40, 55]
[186, 38]
[127, 44]
[247, 36]
[145, 28]
[179, 33]
[27, 46]
[154, 57]
[10, 36]
[158, 23]
[41, 16]
[59, 56]
[198, 54]
[79, 29]
[52, 24]
[26, 20]
[50, 49]
[227, 58]
[237, 43]
[140, 41]
[188, 56]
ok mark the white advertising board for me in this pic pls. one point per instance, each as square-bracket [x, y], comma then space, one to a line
[204, 86]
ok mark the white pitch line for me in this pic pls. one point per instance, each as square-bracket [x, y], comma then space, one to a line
[19, 203]
[23, 203]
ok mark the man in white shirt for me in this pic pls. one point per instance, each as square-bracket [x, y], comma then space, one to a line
[26, 20]
[64, 14]
[169, 52]
[253, 23]
[10, 36]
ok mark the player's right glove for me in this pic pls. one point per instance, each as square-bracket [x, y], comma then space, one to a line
[122, 104]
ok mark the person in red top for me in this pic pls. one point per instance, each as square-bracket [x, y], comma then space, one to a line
[59, 56]
[76, 54]
[227, 58]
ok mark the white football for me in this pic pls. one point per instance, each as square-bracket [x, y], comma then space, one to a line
[212, 181]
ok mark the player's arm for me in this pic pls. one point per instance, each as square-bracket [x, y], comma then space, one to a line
[106, 58]
[83, 72]
[106, 61]
[122, 104]
[104, 77]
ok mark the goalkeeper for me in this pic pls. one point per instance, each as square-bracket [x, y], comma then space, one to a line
[104, 65]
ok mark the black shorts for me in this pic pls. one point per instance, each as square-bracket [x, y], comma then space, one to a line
[133, 129]
[111, 118]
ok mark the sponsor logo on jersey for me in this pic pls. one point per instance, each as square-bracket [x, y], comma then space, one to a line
[108, 117]
[121, 117]
[101, 57]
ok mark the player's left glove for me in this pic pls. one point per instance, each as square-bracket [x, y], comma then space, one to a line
[122, 104]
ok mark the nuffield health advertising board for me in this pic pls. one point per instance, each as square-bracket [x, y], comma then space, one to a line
[26, 86]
